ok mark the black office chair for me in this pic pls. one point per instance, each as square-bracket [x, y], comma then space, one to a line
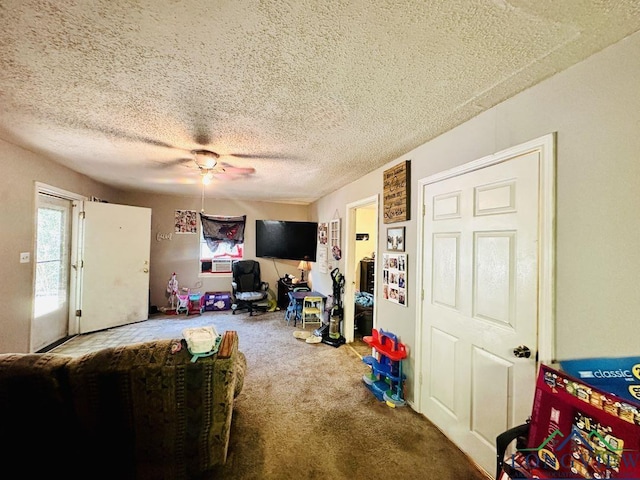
[248, 287]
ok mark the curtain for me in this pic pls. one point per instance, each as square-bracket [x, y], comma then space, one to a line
[217, 230]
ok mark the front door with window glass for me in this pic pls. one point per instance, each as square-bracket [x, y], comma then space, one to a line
[53, 246]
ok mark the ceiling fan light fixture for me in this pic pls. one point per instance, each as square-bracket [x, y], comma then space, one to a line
[205, 158]
[207, 176]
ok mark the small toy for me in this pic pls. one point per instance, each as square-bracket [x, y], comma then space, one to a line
[172, 290]
[183, 304]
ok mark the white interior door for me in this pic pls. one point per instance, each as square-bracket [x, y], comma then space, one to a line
[480, 279]
[114, 265]
[53, 247]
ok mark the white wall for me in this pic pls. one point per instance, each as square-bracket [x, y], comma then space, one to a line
[181, 253]
[595, 109]
[324, 210]
[21, 170]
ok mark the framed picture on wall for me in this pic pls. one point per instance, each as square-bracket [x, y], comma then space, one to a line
[395, 192]
[323, 233]
[322, 260]
[334, 238]
[395, 239]
[394, 278]
[186, 221]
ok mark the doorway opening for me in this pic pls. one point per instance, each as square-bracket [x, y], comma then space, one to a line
[361, 258]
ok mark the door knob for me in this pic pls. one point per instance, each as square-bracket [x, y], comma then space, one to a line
[522, 351]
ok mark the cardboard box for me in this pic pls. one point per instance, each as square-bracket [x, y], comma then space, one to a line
[216, 301]
[618, 375]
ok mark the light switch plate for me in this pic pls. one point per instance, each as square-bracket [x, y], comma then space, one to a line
[25, 257]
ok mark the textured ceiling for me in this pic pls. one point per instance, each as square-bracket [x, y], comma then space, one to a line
[312, 93]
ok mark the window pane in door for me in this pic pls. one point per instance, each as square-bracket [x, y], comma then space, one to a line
[51, 284]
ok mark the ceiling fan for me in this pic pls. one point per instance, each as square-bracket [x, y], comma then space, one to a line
[207, 163]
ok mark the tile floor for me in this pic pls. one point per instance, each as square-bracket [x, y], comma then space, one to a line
[157, 327]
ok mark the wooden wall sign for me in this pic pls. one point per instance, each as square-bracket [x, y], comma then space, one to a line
[395, 193]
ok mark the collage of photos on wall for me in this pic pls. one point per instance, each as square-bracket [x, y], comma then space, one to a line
[394, 277]
[186, 221]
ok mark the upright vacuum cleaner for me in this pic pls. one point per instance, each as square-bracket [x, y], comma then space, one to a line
[331, 335]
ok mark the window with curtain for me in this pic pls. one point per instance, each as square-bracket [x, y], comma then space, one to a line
[221, 242]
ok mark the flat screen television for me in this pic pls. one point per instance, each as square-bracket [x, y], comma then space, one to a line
[286, 240]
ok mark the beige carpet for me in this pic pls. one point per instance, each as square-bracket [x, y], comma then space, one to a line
[305, 413]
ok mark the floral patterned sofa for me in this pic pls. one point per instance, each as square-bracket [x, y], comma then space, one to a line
[143, 411]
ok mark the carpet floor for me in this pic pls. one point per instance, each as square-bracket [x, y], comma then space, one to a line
[304, 411]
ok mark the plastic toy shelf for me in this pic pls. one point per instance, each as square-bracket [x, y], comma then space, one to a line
[386, 369]
[378, 387]
[386, 380]
[387, 344]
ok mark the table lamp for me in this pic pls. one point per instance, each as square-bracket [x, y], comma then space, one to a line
[303, 266]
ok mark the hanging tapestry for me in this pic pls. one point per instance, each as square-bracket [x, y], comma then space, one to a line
[217, 230]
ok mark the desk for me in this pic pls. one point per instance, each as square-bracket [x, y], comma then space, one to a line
[284, 288]
[299, 296]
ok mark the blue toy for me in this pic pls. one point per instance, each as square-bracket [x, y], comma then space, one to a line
[386, 380]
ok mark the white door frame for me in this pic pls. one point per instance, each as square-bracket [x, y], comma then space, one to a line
[349, 262]
[546, 248]
[43, 188]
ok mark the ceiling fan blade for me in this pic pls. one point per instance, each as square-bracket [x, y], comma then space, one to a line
[229, 176]
[268, 156]
[114, 132]
[175, 162]
[228, 168]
